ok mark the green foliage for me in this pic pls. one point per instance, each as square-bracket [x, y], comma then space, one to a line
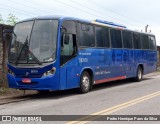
[1, 20]
[12, 19]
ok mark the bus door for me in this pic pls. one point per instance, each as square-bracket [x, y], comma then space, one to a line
[68, 60]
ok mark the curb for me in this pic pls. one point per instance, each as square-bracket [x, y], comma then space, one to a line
[7, 101]
[18, 98]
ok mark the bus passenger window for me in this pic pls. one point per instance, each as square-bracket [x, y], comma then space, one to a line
[86, 35]
[137, 41]
[145, 41]
[116, 39]
[152, 43]
[127, 40]
[102, 37]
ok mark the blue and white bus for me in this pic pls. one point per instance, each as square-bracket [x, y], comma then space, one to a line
[59, 53]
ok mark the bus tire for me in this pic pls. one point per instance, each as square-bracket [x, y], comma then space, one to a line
[85, 82]
[139, 74]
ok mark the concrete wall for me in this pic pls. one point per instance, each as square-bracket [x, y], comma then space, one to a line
[1, 56]
[4, 46]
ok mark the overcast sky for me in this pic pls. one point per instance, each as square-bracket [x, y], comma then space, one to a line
[135, 14]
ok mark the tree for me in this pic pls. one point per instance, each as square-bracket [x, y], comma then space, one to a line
[12, 19]
[1, 20]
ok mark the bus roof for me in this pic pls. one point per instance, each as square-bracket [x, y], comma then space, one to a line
[56, 17]
[95, 22]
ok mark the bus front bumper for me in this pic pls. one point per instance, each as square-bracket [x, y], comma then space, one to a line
[43, 83]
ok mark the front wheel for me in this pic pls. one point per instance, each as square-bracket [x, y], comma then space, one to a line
[139, 76]
[85, 82]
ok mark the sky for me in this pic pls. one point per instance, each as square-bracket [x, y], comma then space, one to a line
[135, 14]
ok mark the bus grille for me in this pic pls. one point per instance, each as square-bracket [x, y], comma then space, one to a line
[29, 76]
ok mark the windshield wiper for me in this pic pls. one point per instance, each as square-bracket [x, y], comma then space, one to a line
[25, 45]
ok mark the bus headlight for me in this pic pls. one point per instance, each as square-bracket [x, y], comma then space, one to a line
[50, 72]
[11, 72]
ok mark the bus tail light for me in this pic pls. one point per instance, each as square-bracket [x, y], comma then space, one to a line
[50, 72]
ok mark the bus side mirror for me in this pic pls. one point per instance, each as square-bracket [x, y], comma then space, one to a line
[66, 39]
[63, 29]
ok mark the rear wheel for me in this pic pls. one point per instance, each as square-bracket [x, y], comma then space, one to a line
[85, 82]
[139, 76]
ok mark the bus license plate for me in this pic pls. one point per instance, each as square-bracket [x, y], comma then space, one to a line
[26, 80]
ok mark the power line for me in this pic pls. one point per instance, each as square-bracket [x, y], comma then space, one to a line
[93, 10]
[103, 13]
[90, 9]
[69, 6]
[2, 8]
[76, 8]
[17, 9]
[115, 12]
[37, 3]
[72, 7]
[31, 7]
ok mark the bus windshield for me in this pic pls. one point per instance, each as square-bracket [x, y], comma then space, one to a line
[34, 42]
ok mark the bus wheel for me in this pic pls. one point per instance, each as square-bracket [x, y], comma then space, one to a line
[139, 76]
[43, 91]
[85, 82]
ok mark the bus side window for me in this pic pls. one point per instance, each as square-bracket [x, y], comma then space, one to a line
[116, 39]
[68, 41]
[86, 34]
[67, 45]
[137, 41]
[145, 41]
[152, 43]
[127, 39]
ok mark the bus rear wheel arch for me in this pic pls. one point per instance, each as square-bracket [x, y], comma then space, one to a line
[86, 81]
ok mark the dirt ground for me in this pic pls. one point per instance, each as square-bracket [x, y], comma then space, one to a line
[9, 92]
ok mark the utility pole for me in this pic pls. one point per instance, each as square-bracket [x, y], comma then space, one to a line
[146, 27]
